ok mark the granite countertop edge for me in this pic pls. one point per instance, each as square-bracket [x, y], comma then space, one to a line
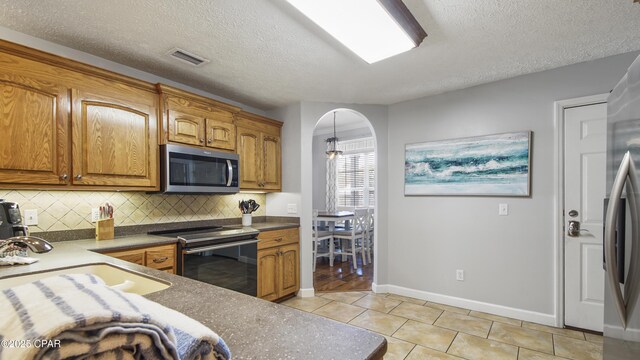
[251, 327]
[129, 242]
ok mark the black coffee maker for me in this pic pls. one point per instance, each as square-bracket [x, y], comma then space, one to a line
[10, 220]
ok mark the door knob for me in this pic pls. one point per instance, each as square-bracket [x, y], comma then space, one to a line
[574, 228]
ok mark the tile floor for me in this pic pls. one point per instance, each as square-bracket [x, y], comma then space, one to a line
[416, 329]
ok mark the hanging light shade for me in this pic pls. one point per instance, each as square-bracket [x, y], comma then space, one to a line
[332, 142]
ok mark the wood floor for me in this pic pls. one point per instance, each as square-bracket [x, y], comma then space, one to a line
[342, 276]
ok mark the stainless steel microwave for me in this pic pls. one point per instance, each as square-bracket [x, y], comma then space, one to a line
[190, 170]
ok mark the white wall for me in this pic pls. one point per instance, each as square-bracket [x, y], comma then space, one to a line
[508, 260]
[320, 162]
[291, 175]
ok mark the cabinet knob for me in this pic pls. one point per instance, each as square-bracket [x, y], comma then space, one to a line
[64, 177]
[78, 177]
[201, 140]
[160, 259]
[210, 140]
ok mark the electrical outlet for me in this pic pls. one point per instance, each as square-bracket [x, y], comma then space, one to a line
[292, 209]
[95, 214]
[503, 209]
[460, 275]
[31, 217]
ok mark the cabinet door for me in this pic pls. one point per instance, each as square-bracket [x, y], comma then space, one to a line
[221, 135]
[34, 130]
[288, 279]
[271, 162]
[186, 128]
[114, 140]
[250, 154]
[268, 274]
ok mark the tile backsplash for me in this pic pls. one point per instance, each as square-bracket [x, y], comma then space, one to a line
[71, 210]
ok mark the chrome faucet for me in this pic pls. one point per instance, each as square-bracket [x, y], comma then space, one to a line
[35, 244]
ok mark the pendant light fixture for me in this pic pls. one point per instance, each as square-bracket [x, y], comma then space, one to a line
[332, 142]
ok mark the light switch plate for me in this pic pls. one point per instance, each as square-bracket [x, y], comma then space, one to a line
[292, 209]
[460, 275]
[503, 209]
[30, 217]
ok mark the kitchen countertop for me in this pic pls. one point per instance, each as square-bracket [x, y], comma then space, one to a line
[253, 328]
[144, 240]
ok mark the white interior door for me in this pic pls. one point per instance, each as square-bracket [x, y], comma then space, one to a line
[584, 191]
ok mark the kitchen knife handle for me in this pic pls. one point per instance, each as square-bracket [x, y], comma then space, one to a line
[611, 260]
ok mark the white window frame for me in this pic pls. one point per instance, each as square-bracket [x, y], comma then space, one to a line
[359, 146]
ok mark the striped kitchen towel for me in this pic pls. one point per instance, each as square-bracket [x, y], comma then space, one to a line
[78, 316]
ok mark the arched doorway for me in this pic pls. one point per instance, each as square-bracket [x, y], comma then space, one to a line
[344, 184]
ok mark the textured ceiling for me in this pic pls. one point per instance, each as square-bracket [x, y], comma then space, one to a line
[265, 54]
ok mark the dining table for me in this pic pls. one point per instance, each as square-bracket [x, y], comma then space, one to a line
[331, 217]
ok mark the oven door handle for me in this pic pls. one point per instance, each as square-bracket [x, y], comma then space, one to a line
[221, 246]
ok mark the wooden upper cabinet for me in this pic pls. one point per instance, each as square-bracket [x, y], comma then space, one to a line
[64, 123]
[114, 138]
[185, 128]
[221, 134]
[259, 148]
[250, 153]
[34, 123]
[196, 120]
[271, 162]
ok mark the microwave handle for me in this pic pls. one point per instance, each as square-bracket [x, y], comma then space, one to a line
[230, 170]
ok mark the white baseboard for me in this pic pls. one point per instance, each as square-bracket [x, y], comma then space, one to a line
[520, 314]
[379, 289]
[618, 332]
[306, 293]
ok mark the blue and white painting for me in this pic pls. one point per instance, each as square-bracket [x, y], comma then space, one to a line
[491, 165]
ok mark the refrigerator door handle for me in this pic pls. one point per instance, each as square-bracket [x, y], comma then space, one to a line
[611, 260]
[631, 286]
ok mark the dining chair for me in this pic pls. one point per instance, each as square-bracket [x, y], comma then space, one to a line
[355, 236]
[319, 234]
[369, 237]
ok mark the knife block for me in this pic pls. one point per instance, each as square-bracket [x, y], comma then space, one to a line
[104, 229]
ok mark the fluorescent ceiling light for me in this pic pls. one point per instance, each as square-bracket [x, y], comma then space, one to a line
[373, 29]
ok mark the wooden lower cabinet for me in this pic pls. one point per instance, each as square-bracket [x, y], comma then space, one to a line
[161, 257]
[268, 274]
[278, 264]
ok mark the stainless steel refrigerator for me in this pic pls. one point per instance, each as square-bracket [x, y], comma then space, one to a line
[621, 241]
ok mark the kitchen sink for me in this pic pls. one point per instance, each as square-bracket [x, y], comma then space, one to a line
[114, 276]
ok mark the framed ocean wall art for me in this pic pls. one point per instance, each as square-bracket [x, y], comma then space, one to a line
[490, 165]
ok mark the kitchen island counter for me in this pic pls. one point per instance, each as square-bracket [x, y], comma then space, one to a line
[253, 328]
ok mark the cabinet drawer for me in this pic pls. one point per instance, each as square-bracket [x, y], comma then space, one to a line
[278, 237]
[161, 257]
[133, 256]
